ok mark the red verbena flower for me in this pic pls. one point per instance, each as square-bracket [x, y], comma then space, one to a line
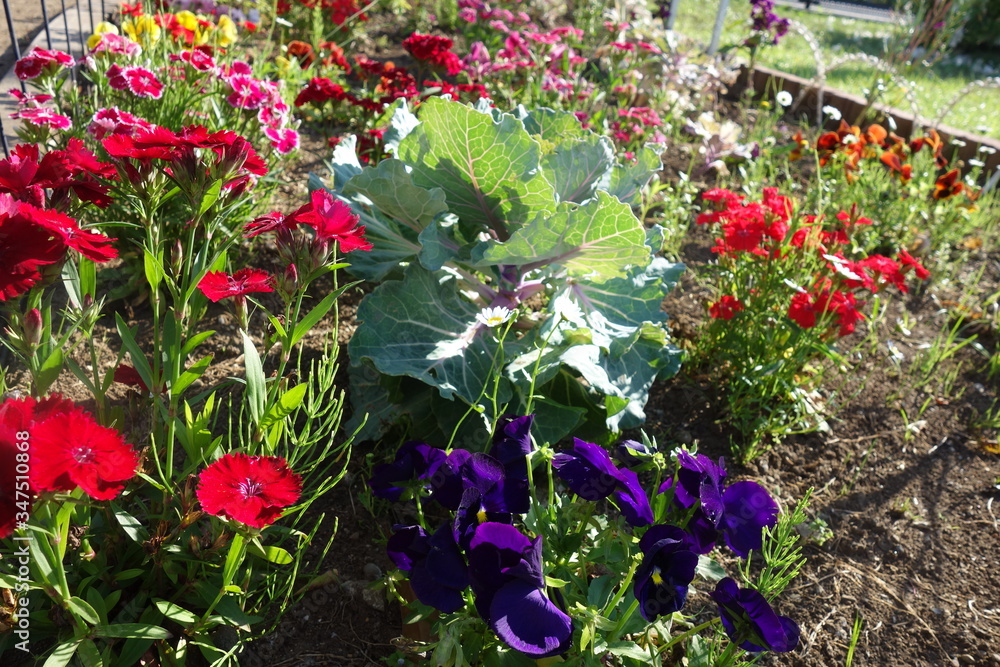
[218, 285]
[250, 489]
[70, 450]
[725, 308]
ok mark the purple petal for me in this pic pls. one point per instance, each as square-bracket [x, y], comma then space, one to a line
[524, 617]
[430, 591]
[408, 545]
[444, 560]
[703, 532]
[587, 469]
[445, 480]
[751, 622]
[632, 500]
[748, 510]
[512, 443]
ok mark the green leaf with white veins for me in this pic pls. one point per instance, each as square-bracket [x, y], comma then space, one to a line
[489, 171]
[426, 330]
[598, 240]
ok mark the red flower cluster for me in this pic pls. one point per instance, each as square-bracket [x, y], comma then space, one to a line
[65, 449]
[27, 176]
[194, 154]
[434, 50]
[33, 238]
[759, 232]
[250, 489]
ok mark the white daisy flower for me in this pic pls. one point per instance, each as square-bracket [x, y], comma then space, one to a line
[832, 112]
[494, 317]
[784, 98]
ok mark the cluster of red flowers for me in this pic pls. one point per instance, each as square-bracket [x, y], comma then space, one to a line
[890, 149]
[194, 156]
[65, 449]
[40, 63]
[330, 55]
[760, 232]
[434, 50]
[34, 242]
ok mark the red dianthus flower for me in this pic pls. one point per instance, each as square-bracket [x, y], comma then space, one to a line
[218, 285]
[250, 489]
[70, 449]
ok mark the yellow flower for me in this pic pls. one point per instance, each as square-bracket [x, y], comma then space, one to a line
[102, 28]
[225, 32]
[142, 27]
[187, 19]
[283, 63]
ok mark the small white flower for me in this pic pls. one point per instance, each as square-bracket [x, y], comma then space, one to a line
[494, 317]
[784, 98]
[849, 139]
[891, 122]
[832, 112]
[977, 163]
[958, 142]
[987, 150]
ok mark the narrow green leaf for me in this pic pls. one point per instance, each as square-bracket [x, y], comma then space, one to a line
[194, 341]
[287, 403]
[193, 372]
[153, 267]
[275, 555]
[175, 612]
[81, 609]
[89, 655]
[313, 317]
[210, 197]
[256, 394]
[62, 655]
[132, 526]
[139, 360]
[132, 631]
[50, 370]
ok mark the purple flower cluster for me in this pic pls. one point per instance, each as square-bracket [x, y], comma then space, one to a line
[767, 25]
[481, 548]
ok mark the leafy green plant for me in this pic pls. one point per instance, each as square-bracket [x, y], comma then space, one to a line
[523, 214]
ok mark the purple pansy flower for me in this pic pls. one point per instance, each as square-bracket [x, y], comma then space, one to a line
[511, 447]
[668, 565]
[438, 573]
[414, 460]
[749, 508]
[445, 480]
[505, 568]
[484, 499]
[739, 512]
[591, 474]
[750, 622]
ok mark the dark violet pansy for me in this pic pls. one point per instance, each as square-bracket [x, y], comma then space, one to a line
[587, 469]
[591, 474]
[698, 478]
[632, 452]
[438, 573]
[667, 568]
[511, 447]
[750, 622]
[414, 460]
[484, 498]
[748, 509]
[505, 568]
[445, 480]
